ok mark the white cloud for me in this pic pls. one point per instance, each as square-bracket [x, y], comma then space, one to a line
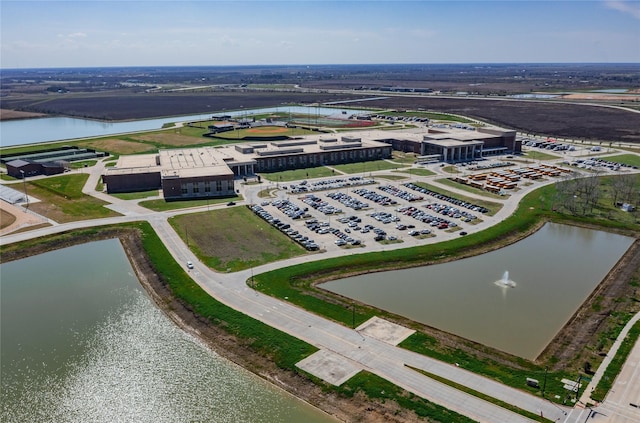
[631, 8]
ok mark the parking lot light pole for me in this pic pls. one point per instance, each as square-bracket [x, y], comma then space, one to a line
[353, 315]
[24, 183]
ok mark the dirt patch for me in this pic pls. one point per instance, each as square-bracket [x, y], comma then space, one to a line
[6, 114]
[267, 130]
[573, 121]
[6, 219]
[172, 139]
[119, 146]
[601, 97]
[14, 218]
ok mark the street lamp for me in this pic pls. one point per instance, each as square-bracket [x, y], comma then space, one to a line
[353, 315]
[24, 182]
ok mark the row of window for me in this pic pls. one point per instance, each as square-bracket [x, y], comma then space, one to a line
[318, 159]
[205, 187]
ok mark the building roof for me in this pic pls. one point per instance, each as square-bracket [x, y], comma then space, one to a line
[211, 161]
[17, 163]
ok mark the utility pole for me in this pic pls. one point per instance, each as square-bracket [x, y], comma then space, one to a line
[544, 383]
[24, 183]
[353, 315]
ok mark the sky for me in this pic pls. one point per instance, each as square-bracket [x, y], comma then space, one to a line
[93, 33]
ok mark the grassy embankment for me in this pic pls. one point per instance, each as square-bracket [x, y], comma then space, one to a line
[606, 383]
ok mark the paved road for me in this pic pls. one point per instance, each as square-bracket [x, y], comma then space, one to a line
[385, 360]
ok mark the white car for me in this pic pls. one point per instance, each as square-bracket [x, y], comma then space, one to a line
[189, 265]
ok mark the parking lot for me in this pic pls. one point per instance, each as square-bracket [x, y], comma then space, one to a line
[378, 214]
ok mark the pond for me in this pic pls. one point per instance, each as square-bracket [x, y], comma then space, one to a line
[550, 274]
[26, 131]
[82, 342]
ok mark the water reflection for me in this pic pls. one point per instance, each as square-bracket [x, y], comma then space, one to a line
[81, 342]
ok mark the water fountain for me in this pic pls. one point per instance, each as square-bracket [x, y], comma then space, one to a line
[505, 281]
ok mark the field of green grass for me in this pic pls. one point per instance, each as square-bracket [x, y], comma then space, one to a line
[62, 199]
[163, 205]
[492, 206]
[536, 155]
[233, 239]
[136, 195]
[628, 159]
[417, 171]
[298, 174]
[373, 166]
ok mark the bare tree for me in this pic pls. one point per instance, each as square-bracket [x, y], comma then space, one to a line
[623, 188]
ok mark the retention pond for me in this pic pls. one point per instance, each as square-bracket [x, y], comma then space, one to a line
[82, 342]
[515, 299]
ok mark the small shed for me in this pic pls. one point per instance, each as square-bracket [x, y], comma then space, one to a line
[16, 168]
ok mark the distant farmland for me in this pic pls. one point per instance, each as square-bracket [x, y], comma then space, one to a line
[564, 120]
[576, 121]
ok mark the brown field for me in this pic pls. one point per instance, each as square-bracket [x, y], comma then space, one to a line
[601, 97]
[171, 139]
[130, 106]
[6, 219]
[6, 114]
[553, 118]
[118, 146]
[268, 130]
[574, 121]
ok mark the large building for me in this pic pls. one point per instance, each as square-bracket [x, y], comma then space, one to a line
[210, 171]
[453, 145]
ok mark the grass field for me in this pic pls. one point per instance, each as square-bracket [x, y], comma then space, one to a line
[298, 174]
[392, 177]
[418, 171]
[234, 239]
[372, 166]
[62, 199]
[628, 159]
[251, 132]
[538, 155]
[492, 206]
[403, 158]
[136, 195]
[163, 205]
